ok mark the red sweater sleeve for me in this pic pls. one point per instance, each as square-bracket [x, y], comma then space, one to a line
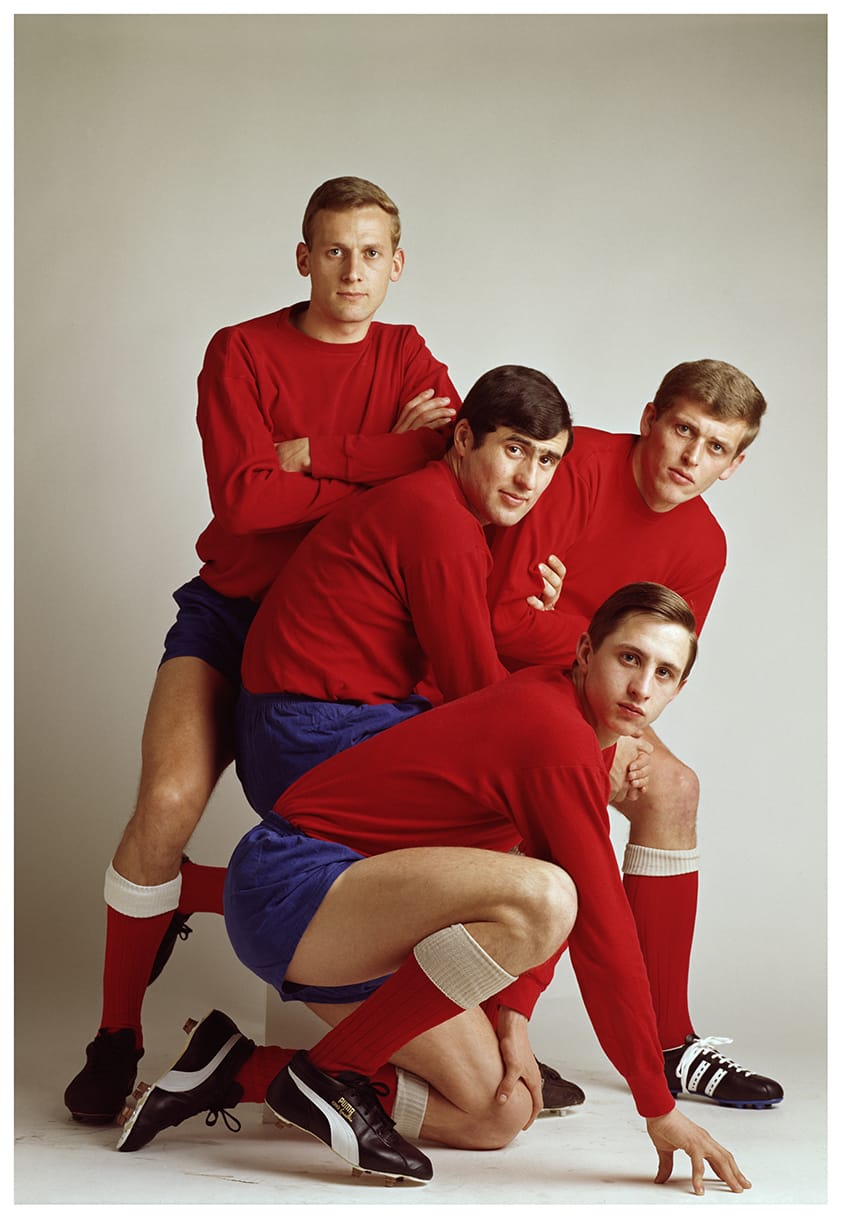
[448, 604]
[604, 948]
[248, 491]
[372, 459]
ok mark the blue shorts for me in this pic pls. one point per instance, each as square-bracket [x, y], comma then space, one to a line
[275, 883]
[210, 627]
[279, 737]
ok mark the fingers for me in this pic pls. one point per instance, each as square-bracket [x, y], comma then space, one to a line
[508, 1082]
[424, 410]
[664, 1172]
[727, 1170]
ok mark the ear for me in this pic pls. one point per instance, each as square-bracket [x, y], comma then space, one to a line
[647, 419]
[584, 651]
[302, 259]
[463, 437]
[732, 468]
[398, 260]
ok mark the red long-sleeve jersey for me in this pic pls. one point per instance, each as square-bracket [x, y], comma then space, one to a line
[383, 589]
[264, 381]
[514, 763]
[594, 518]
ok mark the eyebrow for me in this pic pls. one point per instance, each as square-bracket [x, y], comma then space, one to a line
[644, 655]
[729, 445]
[527, 443]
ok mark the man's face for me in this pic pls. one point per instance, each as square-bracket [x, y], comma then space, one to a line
[682, 454]
[350, 263]
[505, 476]
[633, 674]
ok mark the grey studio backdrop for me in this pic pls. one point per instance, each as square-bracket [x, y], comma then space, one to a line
[597, 196]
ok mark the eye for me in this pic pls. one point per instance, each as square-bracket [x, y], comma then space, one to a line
[548, 459]
[334, 252]
[683, 429]
[628, 658]
[717, 449]
[664, 674]
[514, 449]
[372, 254]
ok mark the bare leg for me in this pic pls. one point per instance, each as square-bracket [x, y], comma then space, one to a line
[187, 743]
[374, 914]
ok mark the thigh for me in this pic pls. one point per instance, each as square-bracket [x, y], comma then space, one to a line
[380, 907]
[188, 733]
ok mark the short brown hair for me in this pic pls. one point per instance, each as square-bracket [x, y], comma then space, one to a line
[721, 388]
[345, 194]
[651, 600]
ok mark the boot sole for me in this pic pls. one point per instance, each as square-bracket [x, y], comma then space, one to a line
[388, 1178]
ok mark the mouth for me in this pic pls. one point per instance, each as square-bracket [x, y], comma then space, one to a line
[678, 476]
[352, 296]
[513, 501]
[631, 710]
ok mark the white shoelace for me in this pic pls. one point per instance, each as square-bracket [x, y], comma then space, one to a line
[698, 1047]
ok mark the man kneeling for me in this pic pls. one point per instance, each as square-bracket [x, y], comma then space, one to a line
[385, 877]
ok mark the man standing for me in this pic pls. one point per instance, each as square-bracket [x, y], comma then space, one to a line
[626, 508]
[298, 411]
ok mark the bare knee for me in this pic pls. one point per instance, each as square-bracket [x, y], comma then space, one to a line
[153, 842]
[548, 908]
[487, 1126]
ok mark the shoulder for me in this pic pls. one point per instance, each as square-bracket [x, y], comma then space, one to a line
[592, 445]
[251, 330]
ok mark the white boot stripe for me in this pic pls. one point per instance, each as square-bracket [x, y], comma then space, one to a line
[183, 1081]
[342, 1138]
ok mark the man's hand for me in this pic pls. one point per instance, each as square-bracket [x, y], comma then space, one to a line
[294, 455]
[518, 1060]
[630, 768]
[425, 411]
[675, 1132]
[552, 573]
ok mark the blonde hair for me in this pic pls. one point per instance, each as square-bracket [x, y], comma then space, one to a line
[724, 391]
[344, 195]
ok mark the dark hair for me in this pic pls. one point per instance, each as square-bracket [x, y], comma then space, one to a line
[516, 397]
[344, 195]
[724, 391]
[653, 600]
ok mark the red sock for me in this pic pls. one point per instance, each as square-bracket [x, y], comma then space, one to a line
[130, 948]
[407, 1004]
[201, 888]
[388, 1076]
[258, 1071]
[664, 909]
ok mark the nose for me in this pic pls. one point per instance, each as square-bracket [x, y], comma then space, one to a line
[526, 475]
[693, 451]
[640, 685]
[353, 266]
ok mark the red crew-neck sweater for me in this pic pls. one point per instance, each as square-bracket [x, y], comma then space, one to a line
[513, 763]
[594, 518]
[262, 382]
[382, 589]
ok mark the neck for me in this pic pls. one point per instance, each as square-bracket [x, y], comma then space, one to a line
[327, 330]
[454, 463]
[603, 735]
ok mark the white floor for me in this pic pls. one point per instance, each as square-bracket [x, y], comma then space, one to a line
[598, 1154]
